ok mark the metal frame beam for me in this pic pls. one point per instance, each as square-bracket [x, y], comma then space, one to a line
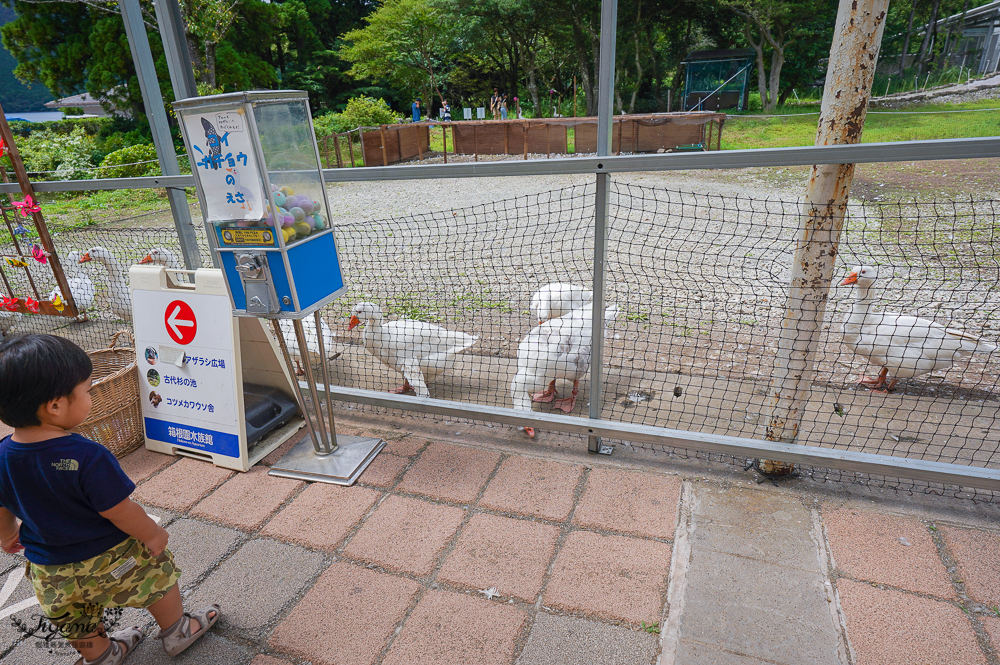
[846, 460]
[865, 153]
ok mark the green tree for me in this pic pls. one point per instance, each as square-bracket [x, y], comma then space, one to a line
[770, 27]
[409, 42]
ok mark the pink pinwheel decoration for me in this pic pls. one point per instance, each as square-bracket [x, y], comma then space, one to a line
[10, 303]
[32, 305]
[39, 254]
[26, 206]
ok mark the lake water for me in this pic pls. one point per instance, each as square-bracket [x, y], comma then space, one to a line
[35, 116]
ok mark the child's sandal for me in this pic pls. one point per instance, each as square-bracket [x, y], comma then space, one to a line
[179, 637]
[123, 642]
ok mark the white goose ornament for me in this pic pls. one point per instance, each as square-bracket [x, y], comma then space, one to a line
[118, 294]
[419, 351]
[558, 298]
[559, 348]
[79, 283]
[903, 346]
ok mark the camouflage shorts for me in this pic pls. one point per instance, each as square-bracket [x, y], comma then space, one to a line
[73, 596]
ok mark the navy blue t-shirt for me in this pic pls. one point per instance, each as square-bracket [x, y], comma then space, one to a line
[57, 488]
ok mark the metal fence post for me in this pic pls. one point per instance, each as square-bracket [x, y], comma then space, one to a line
[152, 99]
[853, 55]
[605, 97]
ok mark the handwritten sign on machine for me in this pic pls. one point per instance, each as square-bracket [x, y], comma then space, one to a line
[224, 157]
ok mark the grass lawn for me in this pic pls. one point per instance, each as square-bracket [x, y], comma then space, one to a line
[929, 121]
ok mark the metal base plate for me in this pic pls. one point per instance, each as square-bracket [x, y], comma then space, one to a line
[342, 467]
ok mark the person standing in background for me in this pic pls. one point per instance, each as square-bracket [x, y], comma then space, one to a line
[495, 104]
[445, 112]
[415, 107]
[503, 107]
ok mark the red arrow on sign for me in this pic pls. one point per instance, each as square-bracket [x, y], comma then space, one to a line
[180, 322]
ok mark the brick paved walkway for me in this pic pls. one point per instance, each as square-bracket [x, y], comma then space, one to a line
[487, 551]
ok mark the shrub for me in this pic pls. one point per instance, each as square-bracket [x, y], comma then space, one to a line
[132, 161]
[360, 112]
[58, 156]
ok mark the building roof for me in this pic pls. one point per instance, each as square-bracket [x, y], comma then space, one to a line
[73, 101]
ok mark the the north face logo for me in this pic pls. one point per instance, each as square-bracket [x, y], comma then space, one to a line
[67, 465]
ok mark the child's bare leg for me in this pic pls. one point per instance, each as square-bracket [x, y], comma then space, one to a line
[93, 646]
[168, 610]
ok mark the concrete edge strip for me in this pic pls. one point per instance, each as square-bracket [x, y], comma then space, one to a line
[679, 561]
[827, 564]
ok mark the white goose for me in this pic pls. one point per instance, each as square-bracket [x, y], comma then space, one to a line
[118, 295]
[79, 284]
[161, 256]
[312, 342]
[559, 348]
[419, 351]
[903, 346]
[558, 298]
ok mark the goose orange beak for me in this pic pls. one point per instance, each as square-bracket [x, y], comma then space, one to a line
[530, 431]
[147, 259]
[355, 321]
[850, 279]
[85, 258]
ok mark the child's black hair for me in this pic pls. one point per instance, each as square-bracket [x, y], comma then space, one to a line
[35, 369]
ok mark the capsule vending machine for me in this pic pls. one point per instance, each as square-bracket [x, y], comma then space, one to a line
[262, 194]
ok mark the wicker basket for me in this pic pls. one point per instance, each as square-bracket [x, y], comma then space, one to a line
[116, 418]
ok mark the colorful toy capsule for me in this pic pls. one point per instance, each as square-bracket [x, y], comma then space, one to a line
[302, 228]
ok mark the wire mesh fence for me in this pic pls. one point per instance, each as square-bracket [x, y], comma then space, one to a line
[699, 281]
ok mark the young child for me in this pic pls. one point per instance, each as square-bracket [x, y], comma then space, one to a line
[88, 545]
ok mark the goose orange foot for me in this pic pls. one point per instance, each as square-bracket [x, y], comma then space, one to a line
[567, 403]
[547, 395]
[879, 383]
[405, 389]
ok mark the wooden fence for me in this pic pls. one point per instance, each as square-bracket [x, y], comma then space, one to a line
[661, 132]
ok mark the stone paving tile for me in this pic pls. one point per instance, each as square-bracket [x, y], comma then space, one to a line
[446, 628]
[533, 487]
[197, 546]
[992, 626]
[511, 555]
[246, 500]
[272, 457]
[404, 445]
[36, 650]
[755, 524]
[977, 553]
[21, 592]
[211, 649]
[616, 577]
[384, 470]
[142, 463]
[696, 653]
[255, 583]
[268, 660]
[557, 640]
[10, 561]
[897, 551]
[630, 501]
[405, 534]
[770, 612]
[888, 627]
[322, 515]
[452, 473]
[181, 485]
[347, 617]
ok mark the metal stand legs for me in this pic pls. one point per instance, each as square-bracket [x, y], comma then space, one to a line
[322, 456]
